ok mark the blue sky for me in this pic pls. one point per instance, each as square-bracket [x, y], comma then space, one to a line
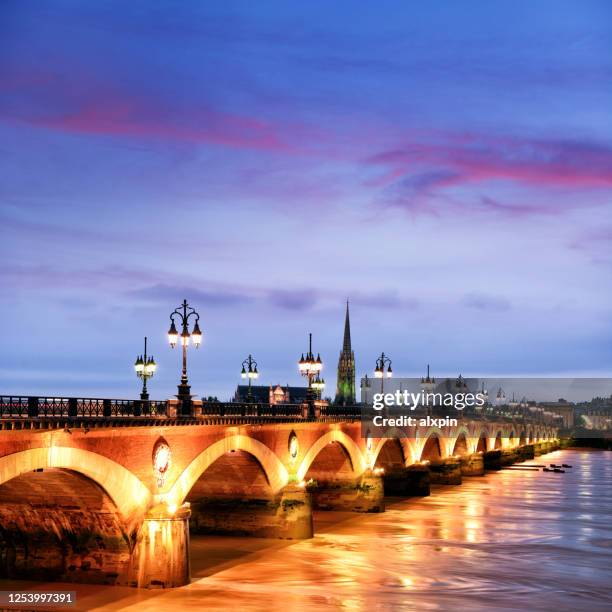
[446, 166]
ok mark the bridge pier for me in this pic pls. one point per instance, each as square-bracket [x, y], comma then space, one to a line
[287, 516]
[445, 471]
[366, 494]
[472, 465]
[492, 460]
[161, 555]
[526, 452]
[509, 456]
[412, 481]
[542, 448]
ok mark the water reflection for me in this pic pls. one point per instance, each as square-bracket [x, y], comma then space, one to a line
[509, 540]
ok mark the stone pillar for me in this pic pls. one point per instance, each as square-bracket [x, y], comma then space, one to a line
[472, 465]
[412, 481]
[172, 408]
[161, 554]
[197, 408]
[445, 471]
[366, 494]
[492, 460]
[509, 456]
[526, 452]
[295, 514]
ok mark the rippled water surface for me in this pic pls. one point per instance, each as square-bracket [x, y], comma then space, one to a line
[509, 540]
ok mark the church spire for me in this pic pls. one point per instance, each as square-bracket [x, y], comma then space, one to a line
[346, 346]
[345, 389]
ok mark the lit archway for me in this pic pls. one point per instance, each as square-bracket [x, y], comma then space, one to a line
[348, 445]
[129, 494]
[497, 444]
[481, 446]
[276, 473]
[390, 456]
[460, 447]
[57, 524]
[431, 449]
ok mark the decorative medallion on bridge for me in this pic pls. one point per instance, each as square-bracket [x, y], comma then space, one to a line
[161, 461]
[294, 447]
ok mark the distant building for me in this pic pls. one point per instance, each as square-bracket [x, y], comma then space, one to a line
[597, 419]
[345, 388]
[561, 408]
[271, 394]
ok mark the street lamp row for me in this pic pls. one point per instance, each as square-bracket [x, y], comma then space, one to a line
[308, 366]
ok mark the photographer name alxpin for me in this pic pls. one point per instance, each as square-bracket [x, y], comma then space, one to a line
[408, 421]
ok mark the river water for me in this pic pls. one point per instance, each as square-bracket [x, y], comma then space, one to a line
[511, 540]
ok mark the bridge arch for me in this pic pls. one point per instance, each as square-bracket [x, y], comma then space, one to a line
[275, 471]
[482, 442]
[460, 445]
[131, 497]
[353, 451]
[497, 440]
[390, 454]
[432, 448]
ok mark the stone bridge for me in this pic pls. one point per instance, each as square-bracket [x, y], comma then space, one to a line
[113, 502]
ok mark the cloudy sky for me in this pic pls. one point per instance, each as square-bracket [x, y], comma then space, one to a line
[446, 166]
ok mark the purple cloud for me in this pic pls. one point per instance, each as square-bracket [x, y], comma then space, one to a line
[478, 159]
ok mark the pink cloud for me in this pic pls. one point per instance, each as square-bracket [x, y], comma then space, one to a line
[479, 159]
[84, 105]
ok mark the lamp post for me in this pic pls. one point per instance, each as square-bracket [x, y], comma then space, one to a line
[428, 384]
[183, 313]
[249, 370]
[380, 372]
[145, 367]
[310, 367]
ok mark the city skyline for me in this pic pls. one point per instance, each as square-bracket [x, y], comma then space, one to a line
[448, 174]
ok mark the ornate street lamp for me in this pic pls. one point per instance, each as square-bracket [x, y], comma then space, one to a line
[145, 367]
[249, 370]
[183, 313]
[310, 367]
[380, 372]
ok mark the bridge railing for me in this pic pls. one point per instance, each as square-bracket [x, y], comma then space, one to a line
[250, 409]
[352, 412]
[24, 407]
[76, 407]
[39, 407]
